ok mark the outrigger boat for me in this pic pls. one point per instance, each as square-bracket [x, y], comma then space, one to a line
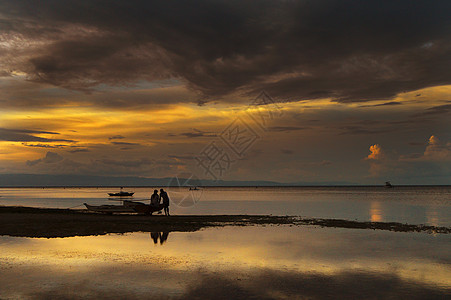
[121, 194]
[109, 209]
[127, 207]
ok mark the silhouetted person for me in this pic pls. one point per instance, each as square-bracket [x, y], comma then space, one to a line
[155, 236]
[163, 237]
[165, 197]
[155, 199]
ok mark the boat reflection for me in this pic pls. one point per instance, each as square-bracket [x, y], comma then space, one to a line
[162, 236]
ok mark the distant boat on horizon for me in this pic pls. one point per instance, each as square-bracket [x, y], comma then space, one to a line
[388, 184]
[193, 188]
[121, 193]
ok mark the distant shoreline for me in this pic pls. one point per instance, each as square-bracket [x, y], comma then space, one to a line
[52, 222]
[73, 180]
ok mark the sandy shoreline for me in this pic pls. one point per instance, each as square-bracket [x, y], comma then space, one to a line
[40, 222]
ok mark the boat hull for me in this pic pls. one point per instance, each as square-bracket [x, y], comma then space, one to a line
[121, 194]
[148, 209]
[127, 207]
[109, 208]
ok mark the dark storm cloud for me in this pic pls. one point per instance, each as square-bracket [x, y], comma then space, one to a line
[317, 163]
[24, 135]
[411, 156]
[197, 133]
[125, 144]
[127, 163]
[287, 151]
[182, 157]
[78, 150]
[286, 128]
[352, 129]
[49, 158]
[383, 104]
[436, 110]
[28, 131]
[138, 163]
[345, 49]
[417, 144]
[116, 137]
[43, 145]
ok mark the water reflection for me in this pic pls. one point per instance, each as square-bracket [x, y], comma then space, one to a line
[231, 262]
[162, 236]
[432, 215]
[375, 212]
[256, 284]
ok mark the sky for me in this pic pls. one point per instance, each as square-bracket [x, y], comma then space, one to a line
[349, 92]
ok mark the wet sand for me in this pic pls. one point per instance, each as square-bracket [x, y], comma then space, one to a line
[49, 223]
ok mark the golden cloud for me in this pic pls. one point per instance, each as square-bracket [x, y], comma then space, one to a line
[376, 152]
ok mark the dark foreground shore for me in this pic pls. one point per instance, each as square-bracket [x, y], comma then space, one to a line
[40, 222]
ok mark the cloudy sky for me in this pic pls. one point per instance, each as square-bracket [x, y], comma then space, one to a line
[291, 91]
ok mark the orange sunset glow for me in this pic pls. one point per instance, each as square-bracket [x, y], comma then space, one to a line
[220, 149]
[138, 98]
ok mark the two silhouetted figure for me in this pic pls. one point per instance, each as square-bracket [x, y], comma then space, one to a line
[162, 236]
[155, 200]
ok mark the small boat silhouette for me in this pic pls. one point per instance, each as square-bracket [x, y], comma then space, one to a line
[388, 184]
[121, 193]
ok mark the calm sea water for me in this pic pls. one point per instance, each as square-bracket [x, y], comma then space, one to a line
[255, 262]
[416, 205]
[272, 262]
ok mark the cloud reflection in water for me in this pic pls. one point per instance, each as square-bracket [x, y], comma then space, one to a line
[251, 262]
